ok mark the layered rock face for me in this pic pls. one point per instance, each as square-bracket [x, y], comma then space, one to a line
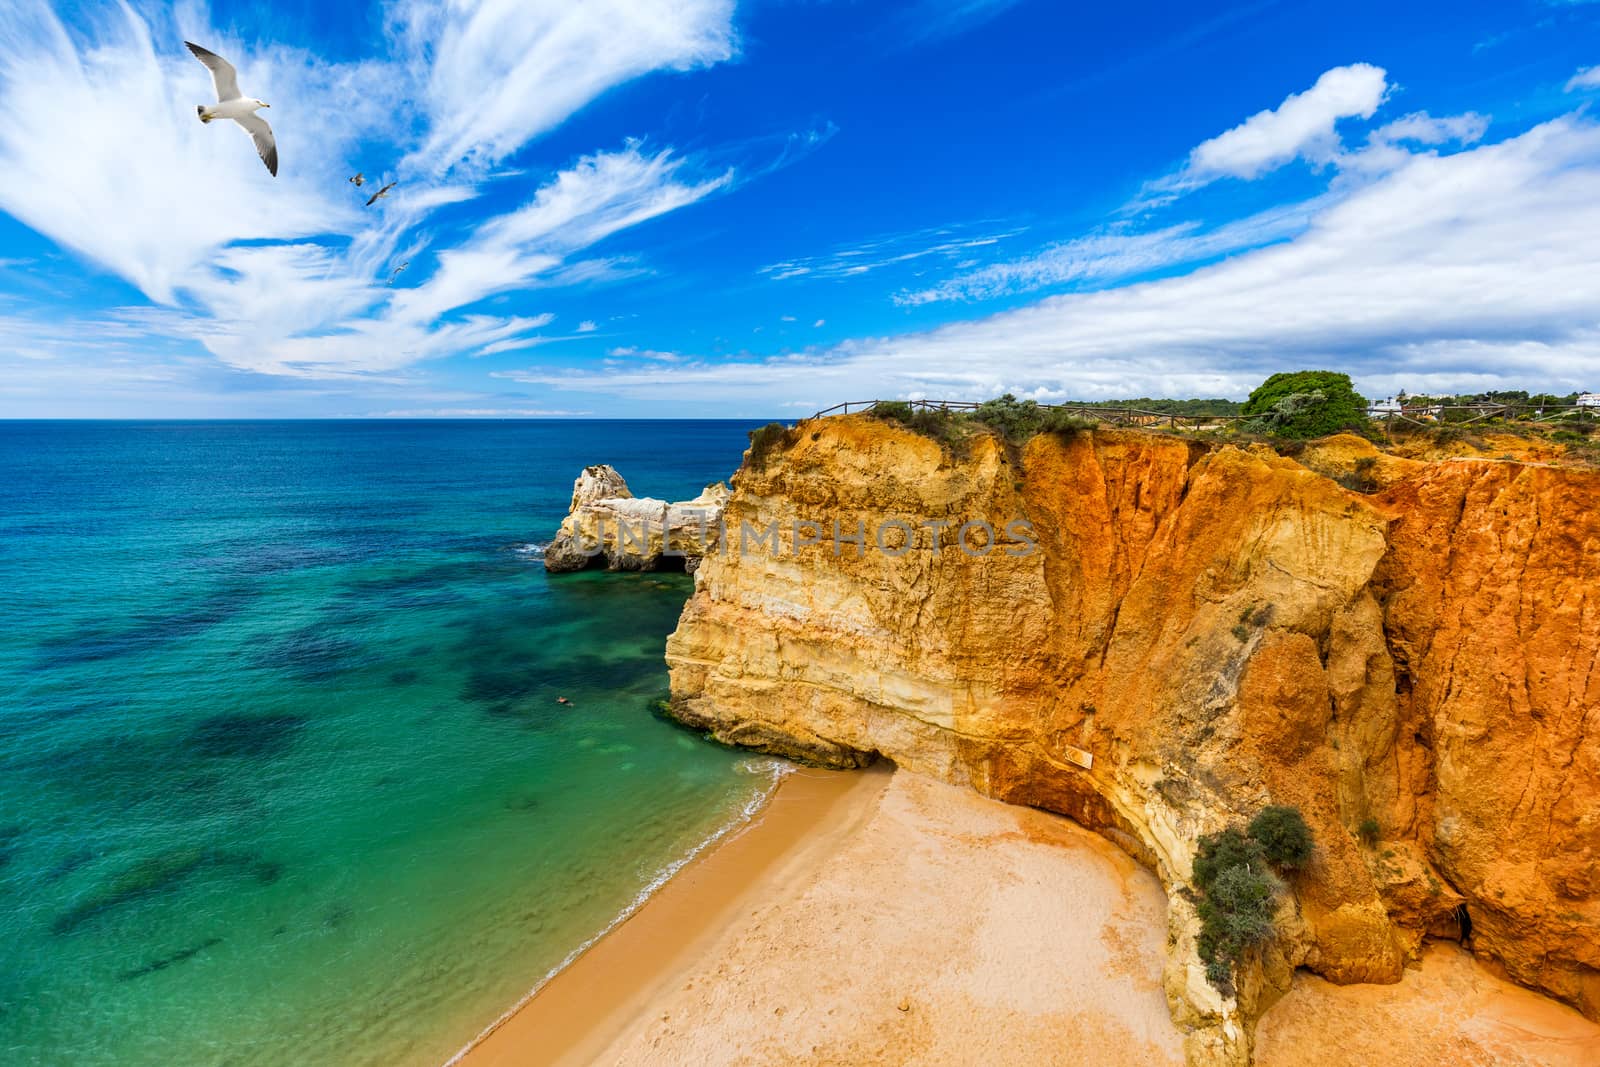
[608, 526]
[1177, 638]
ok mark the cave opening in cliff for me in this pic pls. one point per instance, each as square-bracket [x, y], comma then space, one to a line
[1464, 925]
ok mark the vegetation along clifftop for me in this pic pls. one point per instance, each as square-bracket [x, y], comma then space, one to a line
[1399, 643]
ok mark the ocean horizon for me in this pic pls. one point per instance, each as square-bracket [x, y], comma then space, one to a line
[283, 774]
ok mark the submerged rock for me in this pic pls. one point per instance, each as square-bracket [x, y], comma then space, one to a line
[606, 525]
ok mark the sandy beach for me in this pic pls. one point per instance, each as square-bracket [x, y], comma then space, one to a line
[886, 918]
[881, 920]
[1447, 1012]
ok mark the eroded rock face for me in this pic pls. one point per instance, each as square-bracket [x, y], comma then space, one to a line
[608, 526]
[1210, 631]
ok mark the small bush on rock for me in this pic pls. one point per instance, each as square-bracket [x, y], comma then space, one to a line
[1238, 891]
[772, 437]
[1016, 420]
[1064, 423]
[1284, 837]
[898, 410]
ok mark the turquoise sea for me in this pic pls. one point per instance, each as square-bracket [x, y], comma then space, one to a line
[283, 776]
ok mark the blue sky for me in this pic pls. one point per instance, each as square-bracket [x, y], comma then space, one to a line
[711, 208]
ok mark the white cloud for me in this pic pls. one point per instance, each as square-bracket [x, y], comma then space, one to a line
[853, 261]
[100, 151]
[600, 195]
[1121, 252]
[1423, 128]
[1301, 126]
[1475, 267]
[1587, 78]
[501, 72]
[587, 326]
[818, 323]
[1107, 256]
[477, 413]
[634, 352]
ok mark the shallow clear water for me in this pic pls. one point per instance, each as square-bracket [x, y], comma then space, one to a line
[283, 778]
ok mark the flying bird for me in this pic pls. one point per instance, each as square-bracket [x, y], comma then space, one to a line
[381, 193]
[231, 104]
[396, 272]
[359, 180]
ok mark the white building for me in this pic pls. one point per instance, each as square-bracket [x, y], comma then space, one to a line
[1589, 400]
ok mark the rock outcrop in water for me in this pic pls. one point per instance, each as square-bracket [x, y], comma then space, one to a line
[608, 526]
[1198, 632]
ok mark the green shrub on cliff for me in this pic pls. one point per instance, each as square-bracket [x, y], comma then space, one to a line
[1307, 403]
[1222, 851]
[772, 437]
[944, 427]
[898, 410]
[1015, 420]
[1237, 889]
[1283, 835]
[1065, 423]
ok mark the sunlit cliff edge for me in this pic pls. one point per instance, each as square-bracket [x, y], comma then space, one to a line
[1210, 629]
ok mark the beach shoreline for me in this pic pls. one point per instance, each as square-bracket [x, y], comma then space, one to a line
[882, 916]
[859, 913]
[579, 1009]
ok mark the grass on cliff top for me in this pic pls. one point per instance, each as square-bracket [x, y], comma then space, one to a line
[1013, 420]
[772, 438]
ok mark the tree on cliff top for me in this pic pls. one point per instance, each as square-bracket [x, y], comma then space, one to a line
[1306, 403]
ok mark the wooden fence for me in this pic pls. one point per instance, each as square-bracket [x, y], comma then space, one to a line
[1416, 415]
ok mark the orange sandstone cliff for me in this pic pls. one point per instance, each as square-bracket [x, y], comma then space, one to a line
[1183, 634]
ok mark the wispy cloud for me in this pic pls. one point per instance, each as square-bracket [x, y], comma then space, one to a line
[634, 352]
[477, 413]
[1587, 78]
[1302, 127]
[1468, 269]
[100, 152]
[501, 72]
[934, 19]
[1106, 257]
[855, 260]
[97, 152]
[600, 195]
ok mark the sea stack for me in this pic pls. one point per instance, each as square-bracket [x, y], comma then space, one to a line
[607, 526]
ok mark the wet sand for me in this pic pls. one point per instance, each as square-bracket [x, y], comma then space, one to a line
[1448, 1012]
[869, 919]
[572, 1018]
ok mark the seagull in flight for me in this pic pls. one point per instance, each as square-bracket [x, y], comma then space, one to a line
[359, 180]
[231, 104]
[397, 271]
[381, 193]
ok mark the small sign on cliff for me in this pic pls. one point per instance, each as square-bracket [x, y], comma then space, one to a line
[1078, 756]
